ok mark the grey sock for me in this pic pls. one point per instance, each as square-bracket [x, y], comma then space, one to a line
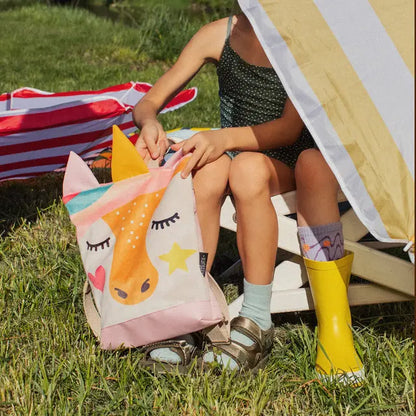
[322, 242]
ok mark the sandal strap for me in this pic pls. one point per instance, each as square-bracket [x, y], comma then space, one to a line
[184, 350]
[262, 338]
[247, 356]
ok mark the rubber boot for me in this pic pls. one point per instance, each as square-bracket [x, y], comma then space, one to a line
[336, 356]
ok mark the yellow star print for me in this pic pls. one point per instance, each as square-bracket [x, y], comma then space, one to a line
[177, 257]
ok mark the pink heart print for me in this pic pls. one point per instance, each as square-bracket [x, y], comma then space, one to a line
[98, 279]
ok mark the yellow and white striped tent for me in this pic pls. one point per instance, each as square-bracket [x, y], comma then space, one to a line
[348, 67]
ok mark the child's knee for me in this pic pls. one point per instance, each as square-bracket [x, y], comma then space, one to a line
[249, 175]
[312, 171]
[209, 186]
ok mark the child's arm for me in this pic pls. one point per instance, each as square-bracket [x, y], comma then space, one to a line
[207, 146]
[205, 46]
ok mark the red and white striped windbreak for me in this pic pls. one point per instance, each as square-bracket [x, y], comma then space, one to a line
[38, 129]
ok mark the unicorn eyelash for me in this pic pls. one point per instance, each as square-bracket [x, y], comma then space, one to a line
[100, 245]
[166, 221]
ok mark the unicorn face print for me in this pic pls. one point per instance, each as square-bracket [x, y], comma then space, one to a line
[138, 236]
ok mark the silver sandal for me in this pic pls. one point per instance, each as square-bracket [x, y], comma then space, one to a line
[251, 357]
[186, 352]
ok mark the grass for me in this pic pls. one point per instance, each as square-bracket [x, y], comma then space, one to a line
[50, 363]
[71, 49]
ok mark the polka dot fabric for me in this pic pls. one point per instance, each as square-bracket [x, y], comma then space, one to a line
[251, 95]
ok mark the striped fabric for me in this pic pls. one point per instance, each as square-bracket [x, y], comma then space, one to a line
[38, 129]
[348, 67]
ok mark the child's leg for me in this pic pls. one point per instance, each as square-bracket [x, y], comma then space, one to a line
[253, 179]
[210, 184]
[320, 233]
[316, 190]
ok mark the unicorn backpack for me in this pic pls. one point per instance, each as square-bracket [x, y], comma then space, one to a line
[141, 249]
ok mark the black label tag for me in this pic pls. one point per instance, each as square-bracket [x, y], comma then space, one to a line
[203, 258]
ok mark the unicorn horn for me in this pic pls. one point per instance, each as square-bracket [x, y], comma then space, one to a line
[126, 161]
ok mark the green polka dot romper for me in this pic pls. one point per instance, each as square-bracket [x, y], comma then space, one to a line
[251, 95]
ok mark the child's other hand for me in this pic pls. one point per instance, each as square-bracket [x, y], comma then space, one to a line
[152, 142]
[206, 147]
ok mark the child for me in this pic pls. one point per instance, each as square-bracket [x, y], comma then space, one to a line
[261, 150]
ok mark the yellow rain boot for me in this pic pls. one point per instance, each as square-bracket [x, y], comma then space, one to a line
[336, 355]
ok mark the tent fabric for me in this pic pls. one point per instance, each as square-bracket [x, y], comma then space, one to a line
[348, 67]
[38, 129]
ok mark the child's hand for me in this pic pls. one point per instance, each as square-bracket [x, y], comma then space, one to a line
[206, 147]
[152, 142]
[145, 154]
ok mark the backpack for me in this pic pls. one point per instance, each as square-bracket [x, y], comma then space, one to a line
[141, 248]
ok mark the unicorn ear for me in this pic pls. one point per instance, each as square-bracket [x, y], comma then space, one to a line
[78, 176]
[125, 161]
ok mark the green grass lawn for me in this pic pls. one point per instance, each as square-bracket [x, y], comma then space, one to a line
[50, 363]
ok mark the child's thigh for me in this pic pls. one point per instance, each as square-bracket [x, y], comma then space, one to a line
[212, 178]
[253, 172]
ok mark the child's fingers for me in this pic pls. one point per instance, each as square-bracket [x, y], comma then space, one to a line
[202, 161]
[192, 162]
[151, 146]
[146, 156]
[163, 143]
[142, 149]
[189, 145]
[154, 138]
[176, 146]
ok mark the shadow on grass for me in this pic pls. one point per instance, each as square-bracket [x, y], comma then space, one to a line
[21, 201]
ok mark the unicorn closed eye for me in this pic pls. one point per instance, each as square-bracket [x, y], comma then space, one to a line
[140, 244]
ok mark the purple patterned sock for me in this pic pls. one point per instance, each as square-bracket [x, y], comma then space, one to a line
[322, 242]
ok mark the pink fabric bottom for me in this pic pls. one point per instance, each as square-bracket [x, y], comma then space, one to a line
[159, 326]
